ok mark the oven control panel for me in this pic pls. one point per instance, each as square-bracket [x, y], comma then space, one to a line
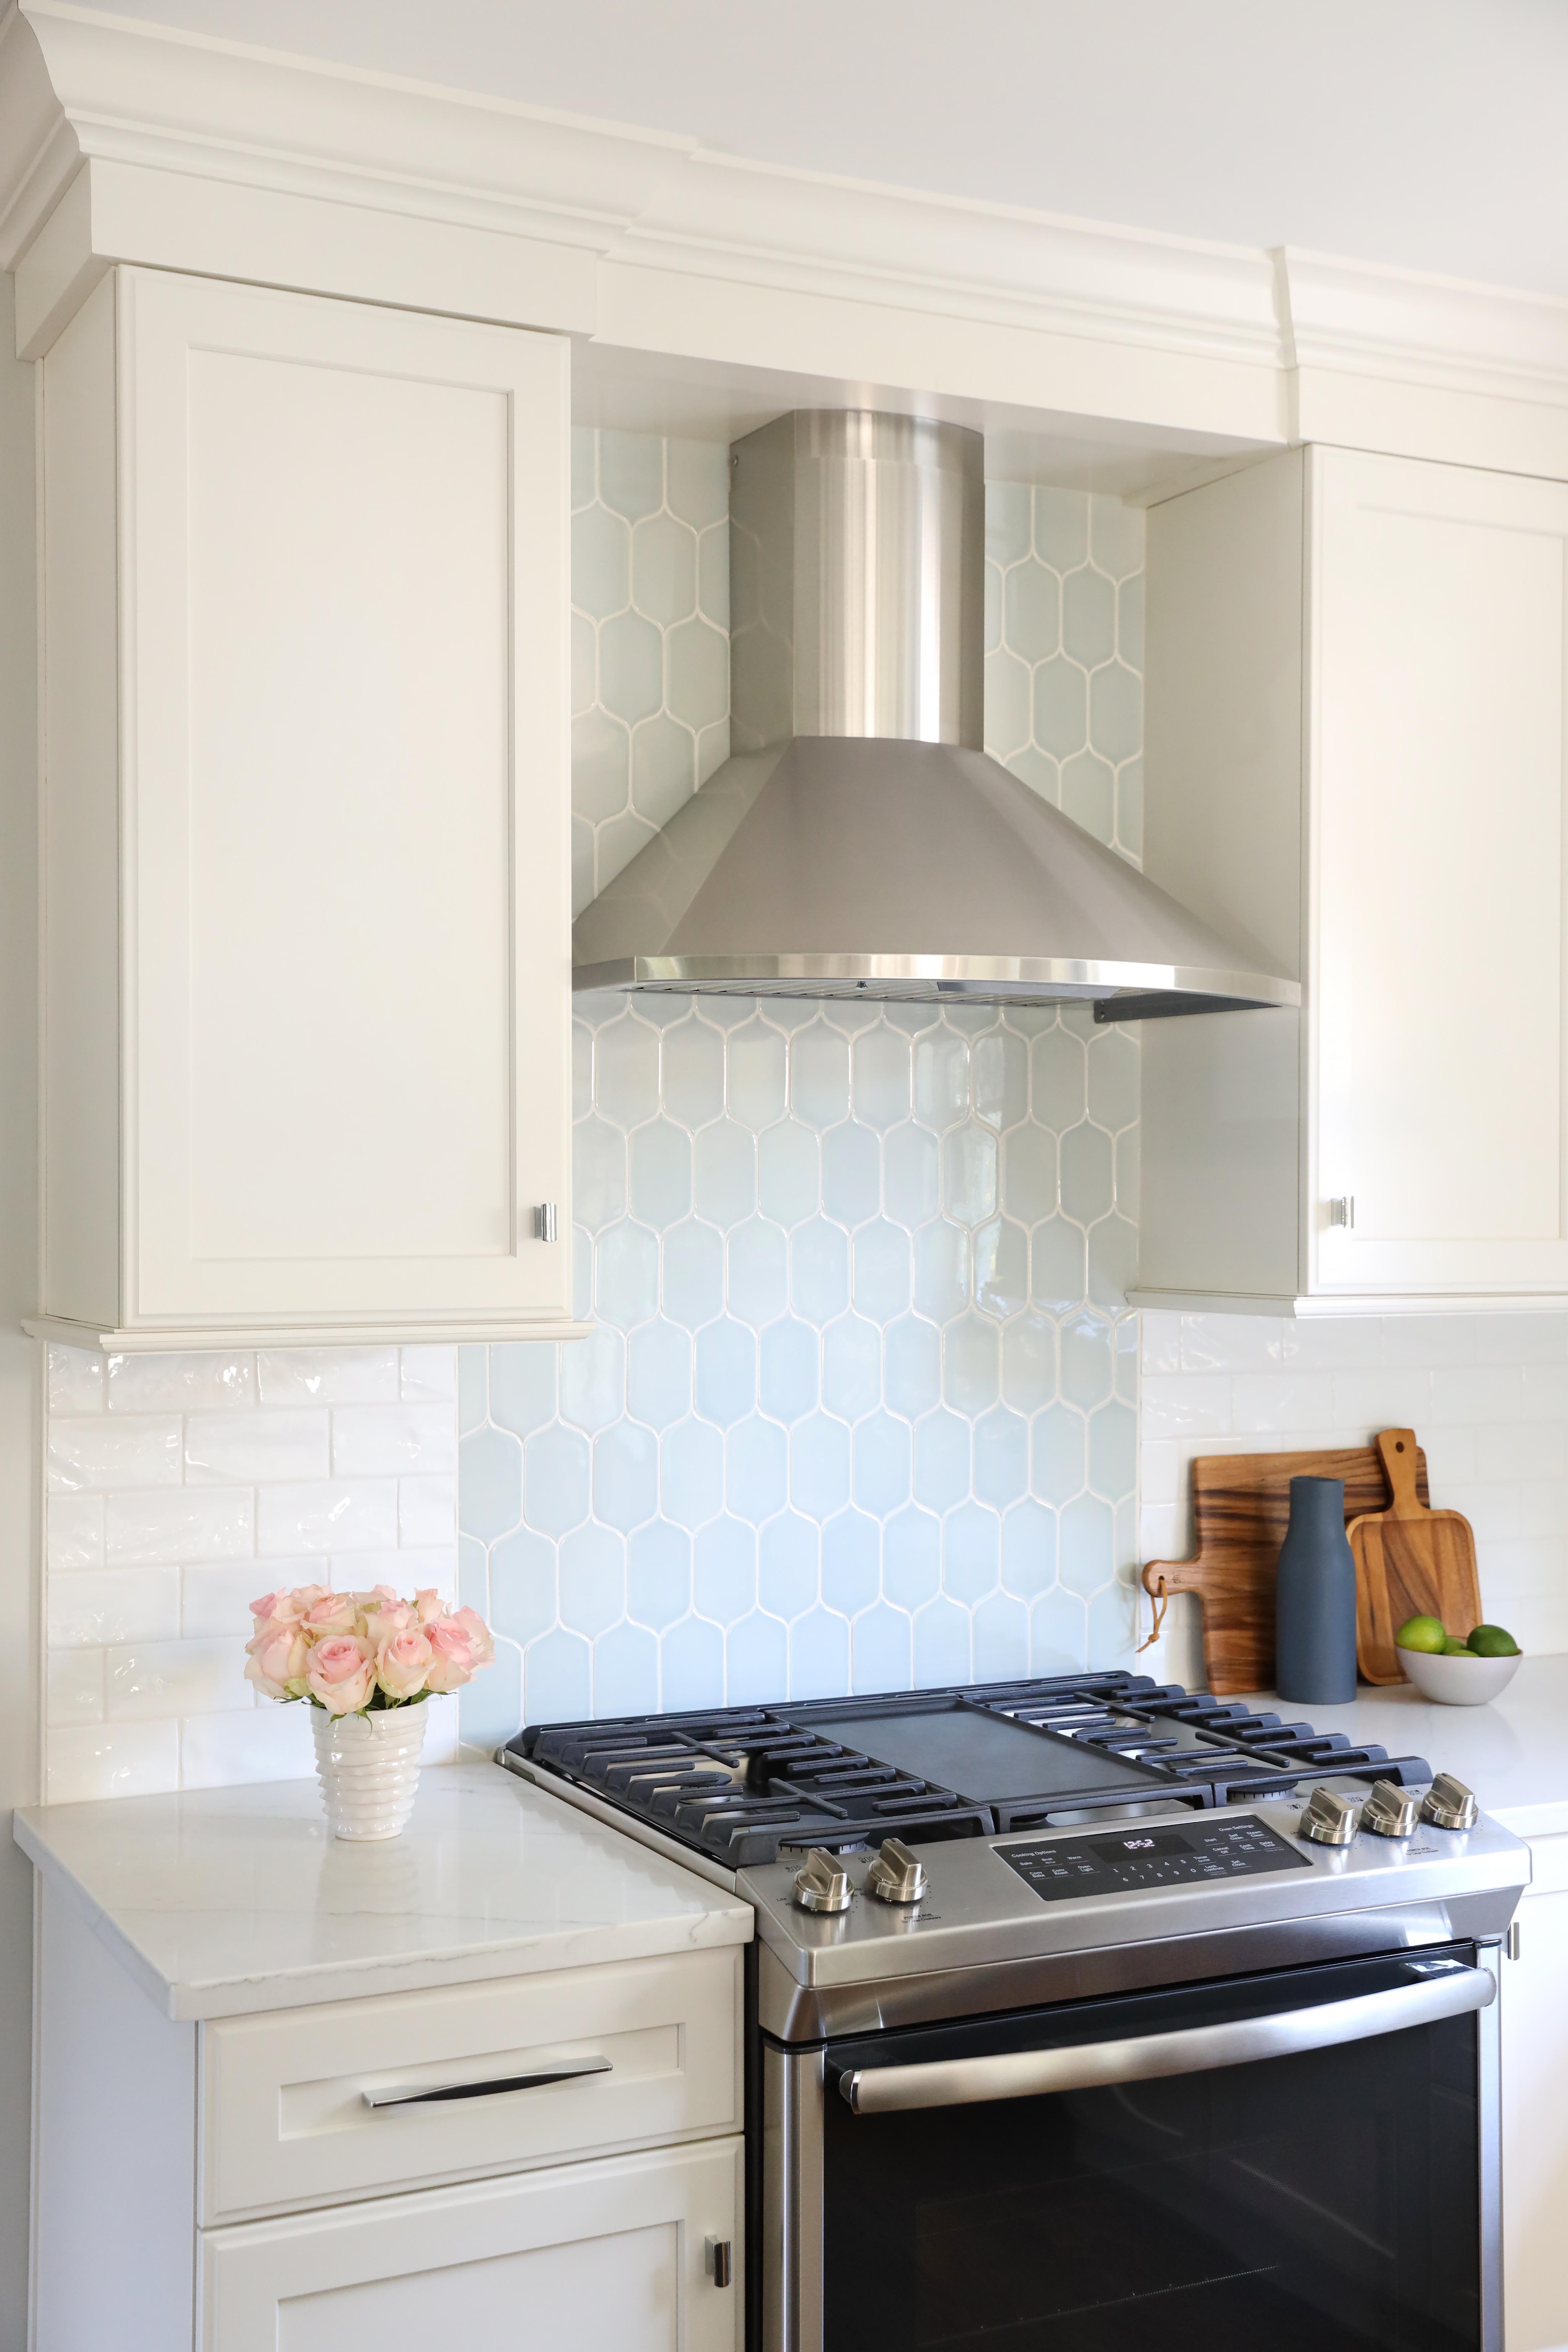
[1066, 1870]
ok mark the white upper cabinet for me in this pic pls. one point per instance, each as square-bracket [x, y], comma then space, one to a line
[1357, 751]
[307, 960]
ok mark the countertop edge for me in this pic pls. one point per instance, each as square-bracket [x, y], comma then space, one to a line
[728, 1921]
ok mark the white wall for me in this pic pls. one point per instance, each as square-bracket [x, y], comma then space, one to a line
[18, 1371]
[1487, 1395]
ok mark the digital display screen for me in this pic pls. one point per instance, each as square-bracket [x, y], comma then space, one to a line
[1066, 1870]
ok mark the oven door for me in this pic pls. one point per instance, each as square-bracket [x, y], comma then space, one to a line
[1271, 2163]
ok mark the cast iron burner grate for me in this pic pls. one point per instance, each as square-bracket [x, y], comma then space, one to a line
[740, 1783]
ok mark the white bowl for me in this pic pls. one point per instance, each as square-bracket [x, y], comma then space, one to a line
[1458, 1681]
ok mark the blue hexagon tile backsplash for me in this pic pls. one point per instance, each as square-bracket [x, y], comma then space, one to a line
[860, 1409]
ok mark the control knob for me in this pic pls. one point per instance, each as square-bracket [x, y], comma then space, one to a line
[896, 1876]
[1389, 1811]
[1448, 1804]
[822, 1883]
[1329, 1818]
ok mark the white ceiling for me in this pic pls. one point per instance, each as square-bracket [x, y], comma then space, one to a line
[1428, 134]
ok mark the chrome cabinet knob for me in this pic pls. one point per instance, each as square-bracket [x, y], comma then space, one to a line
[1329, 1818]
[896, 1876]
[1450, 1805]
[1390, 1811]
[822, 1883]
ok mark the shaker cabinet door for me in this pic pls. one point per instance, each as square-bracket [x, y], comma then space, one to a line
[1438, 633]
[608, 2257]
[342, 952]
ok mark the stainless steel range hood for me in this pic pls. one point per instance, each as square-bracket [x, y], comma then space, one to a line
[860, 842]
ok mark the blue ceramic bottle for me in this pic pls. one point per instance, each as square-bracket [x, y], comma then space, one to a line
[1314, 1599]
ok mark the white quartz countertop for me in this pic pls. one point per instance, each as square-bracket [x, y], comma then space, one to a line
[1513, 1754]
[223, 1901]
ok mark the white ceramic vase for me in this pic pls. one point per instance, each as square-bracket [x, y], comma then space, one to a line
[369, 1769]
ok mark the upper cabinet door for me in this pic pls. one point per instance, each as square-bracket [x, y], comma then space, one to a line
[343, 964]
[1439, 637]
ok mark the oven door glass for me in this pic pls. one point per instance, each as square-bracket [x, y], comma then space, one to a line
[1328, 2197]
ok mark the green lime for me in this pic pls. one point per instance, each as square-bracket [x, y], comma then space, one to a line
[1493, 1642]
[1421, 1633]
[1454, 1648]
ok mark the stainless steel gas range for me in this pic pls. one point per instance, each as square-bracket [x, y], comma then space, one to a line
[1088, 2012]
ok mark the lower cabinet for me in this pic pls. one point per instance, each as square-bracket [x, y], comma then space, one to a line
[612, 2256]
[1535, 2111]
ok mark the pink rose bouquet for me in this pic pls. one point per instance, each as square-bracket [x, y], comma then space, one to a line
[351, 1653]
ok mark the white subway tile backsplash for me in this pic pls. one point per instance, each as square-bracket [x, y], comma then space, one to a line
[1185, 1404]
[102, 1453]
[329, 1515]
[99, 1606]
[75, 1380]
[1160, 1341]
[75, 1538]
[1367, 1402]
[222, 1446]
[166, 1476]
[75, 1686]
[1331, 1343]
[246, 1744]
[376, 1441]
[427, 1510]
[84, 1762]
[328, 1375]
[216, 1595]
[156, 1680]
[179, 1384]
[195, 1523]
[429, 1375]
[1232, 1343]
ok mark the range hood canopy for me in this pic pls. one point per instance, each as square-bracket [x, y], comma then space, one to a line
[860, 842]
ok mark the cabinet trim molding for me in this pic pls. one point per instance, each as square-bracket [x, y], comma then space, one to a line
[210, 156]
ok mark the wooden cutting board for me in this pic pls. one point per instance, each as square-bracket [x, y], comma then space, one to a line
[1241, 1504]
[1410, 1561]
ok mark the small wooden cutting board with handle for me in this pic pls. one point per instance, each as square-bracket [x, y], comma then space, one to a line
[1410, 1561]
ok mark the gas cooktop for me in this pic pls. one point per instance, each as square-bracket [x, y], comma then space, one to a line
[742, 1784]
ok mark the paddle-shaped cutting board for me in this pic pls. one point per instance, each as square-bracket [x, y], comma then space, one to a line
[1409, 1562]
[1241, 1504]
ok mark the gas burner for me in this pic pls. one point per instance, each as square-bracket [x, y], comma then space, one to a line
[743, 1784]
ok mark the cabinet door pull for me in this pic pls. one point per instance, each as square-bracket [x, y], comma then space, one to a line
[566, 2070]
[718, 2250]
[1342, 1212]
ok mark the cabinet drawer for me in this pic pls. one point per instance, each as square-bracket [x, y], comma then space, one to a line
[286, 2118]
[607, 2257]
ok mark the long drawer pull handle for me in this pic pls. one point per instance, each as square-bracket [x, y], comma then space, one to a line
[1192, 2050]
[566, 2070]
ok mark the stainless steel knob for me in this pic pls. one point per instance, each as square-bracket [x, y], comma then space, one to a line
[896, 1876]
[1390, 1811]
[822, 1883]
[1329, 1818]
[1450, 1805]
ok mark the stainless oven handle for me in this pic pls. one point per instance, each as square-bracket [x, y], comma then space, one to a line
[1030, 2073]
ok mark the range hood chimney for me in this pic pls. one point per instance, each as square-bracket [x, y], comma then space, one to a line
[860, 842]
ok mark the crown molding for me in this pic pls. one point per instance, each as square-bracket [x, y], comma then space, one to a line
[1443, 332]
[76, 84]
[499, 209]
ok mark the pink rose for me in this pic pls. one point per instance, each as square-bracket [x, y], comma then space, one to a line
[287, 1607]
[333, 1613]
[341, 1673]
[451, 1655]
[476, 1633]
[278, 1660]
[403, 1663]
[380, 1596]
[427, 1605]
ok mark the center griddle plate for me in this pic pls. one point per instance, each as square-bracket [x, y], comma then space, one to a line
[984, 1757]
